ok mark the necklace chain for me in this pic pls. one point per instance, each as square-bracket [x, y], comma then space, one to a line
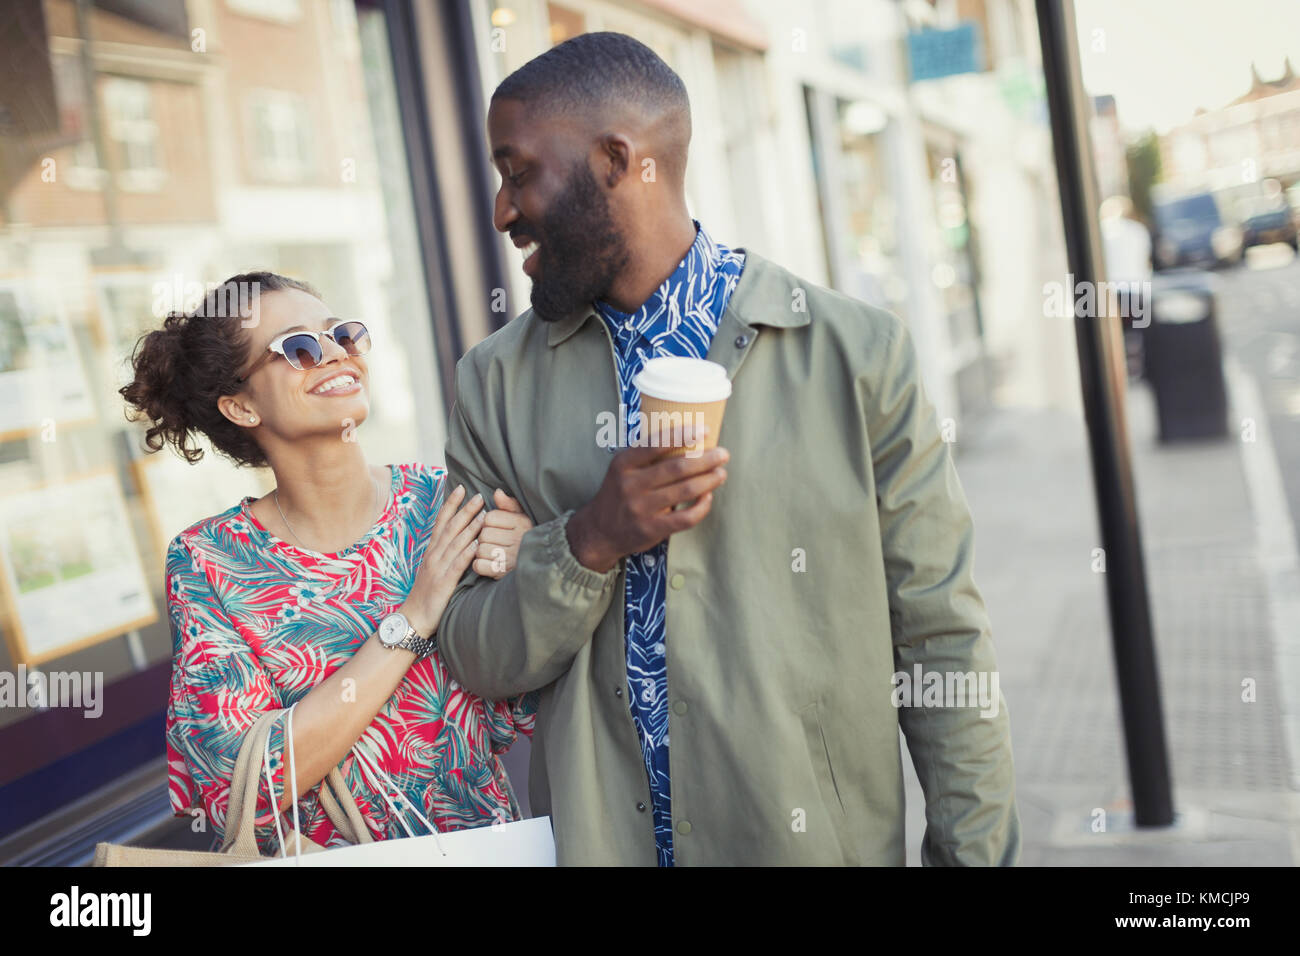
[275, 495]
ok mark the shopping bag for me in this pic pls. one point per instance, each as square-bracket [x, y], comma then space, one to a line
[518, 843]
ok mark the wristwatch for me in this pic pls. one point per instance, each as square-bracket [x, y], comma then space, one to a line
[395, 632]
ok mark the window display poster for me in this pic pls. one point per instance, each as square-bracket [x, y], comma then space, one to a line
[41, 377]
[124, 304]
[70, 570]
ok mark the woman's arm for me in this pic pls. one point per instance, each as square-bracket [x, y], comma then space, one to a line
[219, 687]
[335, 713]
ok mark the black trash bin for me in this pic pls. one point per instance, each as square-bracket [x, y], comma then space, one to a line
[1182, 356]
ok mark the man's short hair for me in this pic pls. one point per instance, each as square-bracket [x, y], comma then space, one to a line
[592, 71]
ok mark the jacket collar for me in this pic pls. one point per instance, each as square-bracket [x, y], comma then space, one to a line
[761, 297]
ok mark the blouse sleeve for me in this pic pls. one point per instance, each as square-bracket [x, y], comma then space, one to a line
[218, 690]
[508, 718]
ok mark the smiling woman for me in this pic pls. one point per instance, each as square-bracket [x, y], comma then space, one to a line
[325, 595]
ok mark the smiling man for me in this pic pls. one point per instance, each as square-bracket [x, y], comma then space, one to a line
[716, 680]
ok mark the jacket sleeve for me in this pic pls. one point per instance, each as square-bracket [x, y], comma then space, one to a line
[962, 755]
[502, 638]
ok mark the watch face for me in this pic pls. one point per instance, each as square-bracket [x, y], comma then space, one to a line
[392, 630]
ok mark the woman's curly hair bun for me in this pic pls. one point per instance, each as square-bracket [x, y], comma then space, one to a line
[183, 368]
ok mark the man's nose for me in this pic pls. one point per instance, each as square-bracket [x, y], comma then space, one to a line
[503, 211]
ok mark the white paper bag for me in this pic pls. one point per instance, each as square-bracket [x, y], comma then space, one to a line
[520, 843]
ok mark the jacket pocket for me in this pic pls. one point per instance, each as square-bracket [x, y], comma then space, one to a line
[820, 755]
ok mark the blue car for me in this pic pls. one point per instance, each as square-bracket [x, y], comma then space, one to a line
[1192, 231]
[1266, 220]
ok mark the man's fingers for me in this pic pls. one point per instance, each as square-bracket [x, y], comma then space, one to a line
[662, 469]
[658, 442]
[690, 517]
[670, 471]
[689, 489]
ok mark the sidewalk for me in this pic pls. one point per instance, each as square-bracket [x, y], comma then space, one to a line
[1028, 479]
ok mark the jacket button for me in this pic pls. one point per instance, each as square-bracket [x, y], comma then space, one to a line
[684, 827]
[618, 692]
[679, 707]
[677, 582]
[640, 806]
[742, 341]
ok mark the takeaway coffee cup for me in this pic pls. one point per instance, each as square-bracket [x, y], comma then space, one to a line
[683, 391]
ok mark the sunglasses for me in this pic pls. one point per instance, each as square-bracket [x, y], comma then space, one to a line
[304, 350]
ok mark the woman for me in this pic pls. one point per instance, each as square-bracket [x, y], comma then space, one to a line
[295, 597]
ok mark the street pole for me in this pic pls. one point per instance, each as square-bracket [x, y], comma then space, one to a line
[1102, 377]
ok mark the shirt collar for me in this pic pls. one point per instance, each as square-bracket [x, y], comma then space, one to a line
[673, 301]
[761, 297]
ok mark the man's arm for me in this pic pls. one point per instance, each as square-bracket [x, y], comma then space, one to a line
[501, 638]
[938, 620]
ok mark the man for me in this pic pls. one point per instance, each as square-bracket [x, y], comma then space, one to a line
[716, 680]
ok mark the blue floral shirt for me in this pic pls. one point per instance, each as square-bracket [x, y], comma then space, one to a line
[680, 318]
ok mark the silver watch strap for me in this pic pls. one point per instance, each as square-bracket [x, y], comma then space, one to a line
[422, 646]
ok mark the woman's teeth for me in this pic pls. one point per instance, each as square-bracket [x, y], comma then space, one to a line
[343, 381]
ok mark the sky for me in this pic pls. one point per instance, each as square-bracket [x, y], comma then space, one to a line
[1161, 59]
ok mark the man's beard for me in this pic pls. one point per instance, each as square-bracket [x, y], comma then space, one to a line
[582, 251]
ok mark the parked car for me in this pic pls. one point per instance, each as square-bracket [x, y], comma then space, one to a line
[1193, 231]
[1266, 219]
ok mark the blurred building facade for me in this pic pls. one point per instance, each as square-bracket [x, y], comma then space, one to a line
[1255, 137]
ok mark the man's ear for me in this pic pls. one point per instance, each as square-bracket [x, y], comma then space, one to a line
[616, 153]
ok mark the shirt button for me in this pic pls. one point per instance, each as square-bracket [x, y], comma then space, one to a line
[742, 341]
[684, 827]
[649, 560]
[618, 692]
[640, 806]
[679, 707]
[678, 581]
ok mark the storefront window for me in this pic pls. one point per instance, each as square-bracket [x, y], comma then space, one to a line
[858, 209]
[231, 144]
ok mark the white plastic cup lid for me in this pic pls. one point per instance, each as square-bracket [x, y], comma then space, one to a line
[675, 379]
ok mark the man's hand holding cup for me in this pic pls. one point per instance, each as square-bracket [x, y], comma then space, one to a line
[634, 509]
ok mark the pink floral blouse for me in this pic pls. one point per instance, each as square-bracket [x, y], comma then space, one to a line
[257, 623]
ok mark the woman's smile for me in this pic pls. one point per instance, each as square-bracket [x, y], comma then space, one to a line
[342, 383]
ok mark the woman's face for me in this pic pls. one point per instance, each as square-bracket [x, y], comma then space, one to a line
[292, 404]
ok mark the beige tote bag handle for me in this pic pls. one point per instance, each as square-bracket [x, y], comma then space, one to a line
[245, 783]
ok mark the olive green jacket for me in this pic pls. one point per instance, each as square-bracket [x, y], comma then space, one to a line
[838, 553]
